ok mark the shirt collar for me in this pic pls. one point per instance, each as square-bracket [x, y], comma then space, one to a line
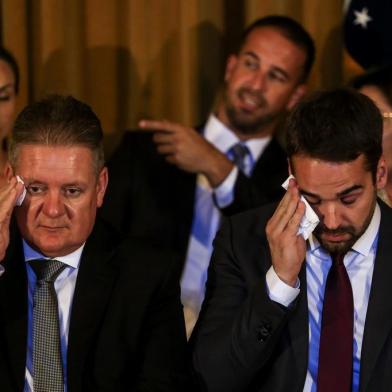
[223, 138]
[365, 242]
[72, 259]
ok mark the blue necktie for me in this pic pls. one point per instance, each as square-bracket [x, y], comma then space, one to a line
[237, 154]
[205, 224]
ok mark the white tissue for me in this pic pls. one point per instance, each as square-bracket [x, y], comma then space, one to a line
[22, 196]
[310, 219]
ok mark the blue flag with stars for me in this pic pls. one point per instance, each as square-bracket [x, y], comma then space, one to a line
[368, 32]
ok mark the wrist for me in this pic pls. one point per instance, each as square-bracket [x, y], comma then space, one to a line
[217, 168]
[289, 279]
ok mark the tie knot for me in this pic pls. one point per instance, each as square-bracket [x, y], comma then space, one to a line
[237, 154]
[337, 258]
[47, 270]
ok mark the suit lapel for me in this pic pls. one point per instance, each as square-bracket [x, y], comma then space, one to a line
[272, 154]
[14, 310]
[94, 285]
[379, 313]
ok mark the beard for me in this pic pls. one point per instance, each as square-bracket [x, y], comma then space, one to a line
[342, 247]
[245, 122]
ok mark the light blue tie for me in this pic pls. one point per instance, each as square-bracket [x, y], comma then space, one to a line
[202, 229]
[204, 226]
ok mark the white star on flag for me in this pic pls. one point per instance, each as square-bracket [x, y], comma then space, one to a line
[362, 18]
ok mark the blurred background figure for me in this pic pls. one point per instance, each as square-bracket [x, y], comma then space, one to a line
[9, 84]
[378, 86]
[368, 39]
[172, 184]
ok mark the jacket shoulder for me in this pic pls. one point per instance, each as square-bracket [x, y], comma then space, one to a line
[254, 219]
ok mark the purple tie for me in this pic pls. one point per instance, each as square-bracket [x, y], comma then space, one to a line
[335, 368]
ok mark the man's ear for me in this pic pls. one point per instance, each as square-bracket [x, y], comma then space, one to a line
[230, 65]
[103, 179]
[289, 165]
[381, 174]
[8, 171]
[296, 96]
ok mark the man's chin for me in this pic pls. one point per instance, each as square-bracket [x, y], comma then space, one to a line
[249, 126]
[336, 247]
[50, 246]
[340, 247]
[250, 123]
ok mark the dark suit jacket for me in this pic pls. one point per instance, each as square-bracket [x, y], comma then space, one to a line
[245, 342]
[126, 329]
[149, 198]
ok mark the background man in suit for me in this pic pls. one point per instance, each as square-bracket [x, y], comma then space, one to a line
[180, 204]
[78, 310]
[285, 314]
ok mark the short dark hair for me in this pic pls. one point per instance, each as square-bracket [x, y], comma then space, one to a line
[336, 126]
[291, 30]
[7, 57]
[58, 121]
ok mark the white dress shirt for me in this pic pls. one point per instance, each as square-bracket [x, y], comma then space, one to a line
[359, 263]
[65, 287]
[206, 219]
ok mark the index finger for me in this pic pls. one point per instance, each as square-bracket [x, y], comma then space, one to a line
[8, 195]
[286, 208]
[155, 125]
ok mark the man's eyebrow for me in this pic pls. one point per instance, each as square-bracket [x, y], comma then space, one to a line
[310, 194]
[75, 183]
[29, 181]
[349, 190]
[340, 194]
[251, 54]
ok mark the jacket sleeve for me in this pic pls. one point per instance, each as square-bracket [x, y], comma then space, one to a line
[163, 363]
[239, 326]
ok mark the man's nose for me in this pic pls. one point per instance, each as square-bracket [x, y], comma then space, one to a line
[330, 216]
[53, 204]
[259, 81]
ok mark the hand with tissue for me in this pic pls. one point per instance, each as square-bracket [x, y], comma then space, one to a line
[22, 195]
[288, 249]
[310, 220]
[8, 197]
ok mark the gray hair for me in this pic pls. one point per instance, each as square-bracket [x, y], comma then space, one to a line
[58, 121]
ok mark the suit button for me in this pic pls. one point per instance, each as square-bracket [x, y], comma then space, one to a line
[263, 332]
